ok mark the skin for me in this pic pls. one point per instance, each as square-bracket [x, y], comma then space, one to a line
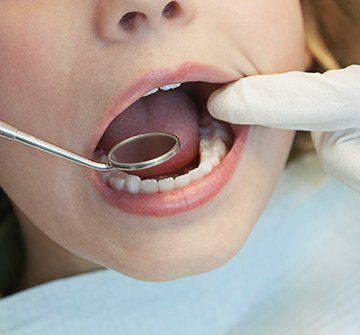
[64, 63]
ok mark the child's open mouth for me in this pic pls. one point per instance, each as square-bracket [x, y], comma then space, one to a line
[206, 159]
[204, 141]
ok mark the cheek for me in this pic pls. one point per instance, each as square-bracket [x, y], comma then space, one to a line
[271, 34]
[35, 69]
[28, 61]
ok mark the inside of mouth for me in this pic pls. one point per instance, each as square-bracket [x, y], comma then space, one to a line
[181, 111]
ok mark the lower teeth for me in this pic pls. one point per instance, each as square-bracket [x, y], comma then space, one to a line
[212, 149]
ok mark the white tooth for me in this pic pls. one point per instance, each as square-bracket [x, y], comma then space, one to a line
[215, 161]
[133, 183]
[182, 181]
[208, 155]
[220, 147]
[206, 166]
[104, 176]
[149, 186]
[151, 92]
[117, 181]
[205, 155]
[204, 144]
[196, 174]
[167, 184]
[170, 87]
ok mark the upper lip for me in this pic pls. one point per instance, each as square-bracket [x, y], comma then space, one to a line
[185, 72]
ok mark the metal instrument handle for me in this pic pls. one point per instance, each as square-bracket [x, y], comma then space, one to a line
[12, 133]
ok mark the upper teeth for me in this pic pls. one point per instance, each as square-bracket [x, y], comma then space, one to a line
[164, 88]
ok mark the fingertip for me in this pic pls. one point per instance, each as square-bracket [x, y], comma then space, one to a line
[214, 104]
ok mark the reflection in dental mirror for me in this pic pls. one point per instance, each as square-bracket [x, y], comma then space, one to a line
[144, 151]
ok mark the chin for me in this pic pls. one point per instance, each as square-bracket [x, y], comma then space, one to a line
[203, 238]
[177, 263]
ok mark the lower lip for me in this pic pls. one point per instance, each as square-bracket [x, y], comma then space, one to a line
[179, 201]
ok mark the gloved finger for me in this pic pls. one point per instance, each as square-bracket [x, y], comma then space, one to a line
[293, 100]
[339, 153]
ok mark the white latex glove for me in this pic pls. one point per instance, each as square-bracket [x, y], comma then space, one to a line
[326, 104]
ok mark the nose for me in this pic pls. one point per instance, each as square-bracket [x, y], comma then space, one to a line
[118, 19]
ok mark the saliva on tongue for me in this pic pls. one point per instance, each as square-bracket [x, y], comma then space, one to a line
[170, 111]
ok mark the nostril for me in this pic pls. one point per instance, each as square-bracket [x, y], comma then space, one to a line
[171, 9]
[128, 16]
[128, 20]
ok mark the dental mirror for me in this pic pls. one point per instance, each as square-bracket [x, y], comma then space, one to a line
[138, 152]
[144, 151]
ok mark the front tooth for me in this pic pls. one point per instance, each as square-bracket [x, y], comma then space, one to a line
[182, 181]
[151, 92]
[170, 86]
[133, 183]
[167, 184]
[149, 186]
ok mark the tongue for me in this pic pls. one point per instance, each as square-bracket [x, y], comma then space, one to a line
[171, 111]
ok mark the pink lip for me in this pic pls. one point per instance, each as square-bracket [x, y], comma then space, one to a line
[197, 193]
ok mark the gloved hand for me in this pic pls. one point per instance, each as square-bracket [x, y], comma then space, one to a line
[326, 104]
